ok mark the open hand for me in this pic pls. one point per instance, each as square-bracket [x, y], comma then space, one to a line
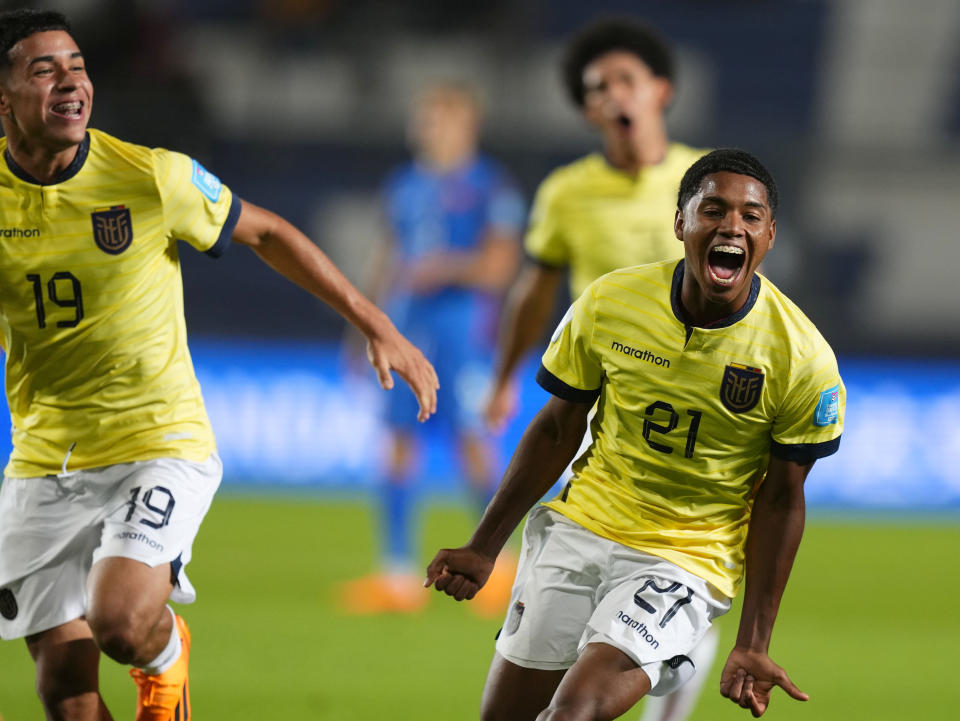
[748, 678]
[392, 351]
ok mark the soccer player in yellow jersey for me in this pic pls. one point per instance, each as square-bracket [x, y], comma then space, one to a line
[114, 464]
[715, 396]
[609, 209]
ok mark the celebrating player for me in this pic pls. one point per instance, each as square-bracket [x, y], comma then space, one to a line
[454, 219]
[716, 395]
[605, 211]
[114, 464]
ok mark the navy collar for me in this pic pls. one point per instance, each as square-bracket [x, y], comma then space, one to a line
[723, 322]
[78, 160]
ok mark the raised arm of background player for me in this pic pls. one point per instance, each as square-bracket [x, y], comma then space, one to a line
[292, 254]
[776, 526]
[525, 313]
[545, 450]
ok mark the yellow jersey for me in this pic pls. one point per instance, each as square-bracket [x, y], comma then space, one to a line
[593, 218]
[91, 306]
[687, 417]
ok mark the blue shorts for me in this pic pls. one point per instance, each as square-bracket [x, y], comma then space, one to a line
[462, 354]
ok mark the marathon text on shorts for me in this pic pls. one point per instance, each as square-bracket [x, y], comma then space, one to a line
[640, 628]
[131, 536]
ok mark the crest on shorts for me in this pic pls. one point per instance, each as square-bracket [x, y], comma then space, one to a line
[513, 620]
[112, 229]
[8, 604]
[740, 387]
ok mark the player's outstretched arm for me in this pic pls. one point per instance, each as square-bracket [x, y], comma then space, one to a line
[544, 451]
[776, 527]
[292, 254]
[525, 313]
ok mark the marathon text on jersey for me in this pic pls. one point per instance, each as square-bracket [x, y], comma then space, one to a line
[19, 232]
[641, 353]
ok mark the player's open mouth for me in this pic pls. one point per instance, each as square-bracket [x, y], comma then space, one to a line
[624, 121]
[725, 262]
[71, 109]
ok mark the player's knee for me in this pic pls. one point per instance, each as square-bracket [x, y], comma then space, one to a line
[119, 634]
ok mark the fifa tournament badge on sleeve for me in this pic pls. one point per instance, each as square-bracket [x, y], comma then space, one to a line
[828, 407]
[206, 182]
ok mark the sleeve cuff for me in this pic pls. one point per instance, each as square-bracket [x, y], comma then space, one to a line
[804, 452]
[226, 232]
[544, 263]
[550, 383]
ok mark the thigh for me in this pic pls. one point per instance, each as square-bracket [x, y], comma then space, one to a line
[515, 693]
[67, 663]
[604, 683]
[656, 614]
[155, 516]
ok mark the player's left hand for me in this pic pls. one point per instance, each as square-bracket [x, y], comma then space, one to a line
[391, 351]
[748, 678]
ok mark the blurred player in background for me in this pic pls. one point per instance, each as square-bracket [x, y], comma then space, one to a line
[114, 464]
[716, 396]
[608, 210]
[454, 220]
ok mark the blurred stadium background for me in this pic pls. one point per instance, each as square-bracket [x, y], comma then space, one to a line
[299, 106]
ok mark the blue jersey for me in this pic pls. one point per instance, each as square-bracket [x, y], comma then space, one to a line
[429, 213]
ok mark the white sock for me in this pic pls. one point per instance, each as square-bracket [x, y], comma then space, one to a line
[170, 653]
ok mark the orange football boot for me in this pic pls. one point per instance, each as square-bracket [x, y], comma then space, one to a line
[492, 600]
[383, 593]
[166, 696]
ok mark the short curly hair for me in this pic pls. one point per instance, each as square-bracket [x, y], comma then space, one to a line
[15, 25]
[606, 36]
[729, 160]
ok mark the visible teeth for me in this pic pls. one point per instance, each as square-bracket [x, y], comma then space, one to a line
[72, 107]
[734, 250]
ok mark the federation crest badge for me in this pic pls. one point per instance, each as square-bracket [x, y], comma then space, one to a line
[513, 621]
[112, 229]
[828, 407]
[740, 387]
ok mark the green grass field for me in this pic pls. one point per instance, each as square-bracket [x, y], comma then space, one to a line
[870, 626]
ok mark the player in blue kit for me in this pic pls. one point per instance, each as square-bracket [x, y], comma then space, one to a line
[454, 219]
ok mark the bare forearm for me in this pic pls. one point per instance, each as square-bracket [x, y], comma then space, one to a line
[776, 528]
[293, 255]
[544, 451]
[524, 316]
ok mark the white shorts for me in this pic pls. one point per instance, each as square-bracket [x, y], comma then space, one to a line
[54, 528]
[574, 587]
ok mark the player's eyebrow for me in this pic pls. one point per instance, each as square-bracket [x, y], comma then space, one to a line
[723, 201]
[51, 58]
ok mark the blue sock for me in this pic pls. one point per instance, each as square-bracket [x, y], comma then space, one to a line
[397, 512]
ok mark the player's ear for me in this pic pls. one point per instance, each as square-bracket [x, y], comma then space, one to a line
[4, 101]
[678, 225]
[664, 93]
[773, 233]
